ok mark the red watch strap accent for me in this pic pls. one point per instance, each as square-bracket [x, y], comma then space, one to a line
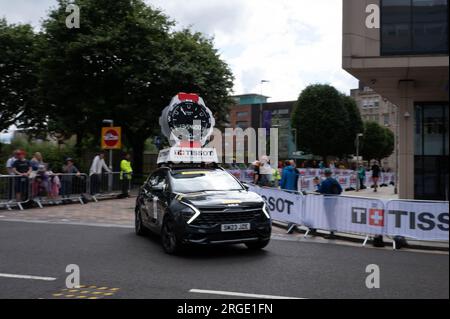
[188, 96]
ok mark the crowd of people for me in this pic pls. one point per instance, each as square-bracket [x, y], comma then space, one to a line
[36, 176]
[267, 176]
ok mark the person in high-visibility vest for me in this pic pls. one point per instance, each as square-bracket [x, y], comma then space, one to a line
[126, 172]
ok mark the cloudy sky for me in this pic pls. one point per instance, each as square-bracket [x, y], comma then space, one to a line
[291, 43]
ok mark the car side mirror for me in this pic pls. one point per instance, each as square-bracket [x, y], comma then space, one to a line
[158, 188]
[246, 186]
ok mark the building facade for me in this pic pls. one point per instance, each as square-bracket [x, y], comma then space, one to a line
[374, 108]
[404, 58]
[253, 110]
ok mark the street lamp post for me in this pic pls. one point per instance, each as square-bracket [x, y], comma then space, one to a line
[110, 181]
[111, 124]
[358, 186]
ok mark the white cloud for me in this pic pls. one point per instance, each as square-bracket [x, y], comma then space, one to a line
[292, 43]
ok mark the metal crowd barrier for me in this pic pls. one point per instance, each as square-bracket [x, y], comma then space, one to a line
[58, 188]
[108, 185]
[422, 220]
[14, 191]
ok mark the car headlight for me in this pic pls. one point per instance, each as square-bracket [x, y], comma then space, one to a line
[266, 211]
[194, 209]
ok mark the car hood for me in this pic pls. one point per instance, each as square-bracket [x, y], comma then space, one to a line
[224, 199]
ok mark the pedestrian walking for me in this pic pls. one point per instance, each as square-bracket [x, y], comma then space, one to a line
[289, 177]
[126, 172]
[361, 176]
[375, 175]
[96, 170]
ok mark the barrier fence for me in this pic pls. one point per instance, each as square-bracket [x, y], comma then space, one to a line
[419, 220]
[48, 188]
[348, 179]
[14, 191]
[109, 184]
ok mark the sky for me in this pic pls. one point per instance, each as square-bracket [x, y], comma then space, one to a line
[290, 43]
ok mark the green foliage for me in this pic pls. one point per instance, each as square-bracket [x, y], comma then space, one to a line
[327, 121]
[18, 74]
[378, 141]
[53, 155]
[124, 63]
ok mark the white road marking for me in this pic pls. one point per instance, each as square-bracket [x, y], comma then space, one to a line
[238, 294]
[27, 277]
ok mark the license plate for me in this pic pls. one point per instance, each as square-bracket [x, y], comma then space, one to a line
[235, 227]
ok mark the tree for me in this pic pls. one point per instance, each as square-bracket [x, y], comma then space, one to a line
[18, 74]
[354, 124]
[124, 63]
[327, 122]
[377, 142]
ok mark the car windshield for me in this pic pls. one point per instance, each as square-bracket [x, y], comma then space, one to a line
[193, 181]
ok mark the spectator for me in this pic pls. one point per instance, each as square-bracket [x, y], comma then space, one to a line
[36, 161]
[96, 170]
[67, 181]
[289, 177]
[125, 174]
[330, 186]
[256, 165]
[375, 175]
[22, 168]
[276, 176]
[265, 172]
[321, 165]
[10, 162]
[361, 177]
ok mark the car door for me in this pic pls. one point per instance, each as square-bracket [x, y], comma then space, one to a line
[147, 199]
[157, 199]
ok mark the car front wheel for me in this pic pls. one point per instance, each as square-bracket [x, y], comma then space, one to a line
[170, 242]
[139, 227]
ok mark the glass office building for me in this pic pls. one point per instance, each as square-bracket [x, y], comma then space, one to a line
[406, 61]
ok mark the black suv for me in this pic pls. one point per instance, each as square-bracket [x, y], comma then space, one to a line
[201, 206]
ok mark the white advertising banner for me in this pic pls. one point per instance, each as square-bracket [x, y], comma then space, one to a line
[344, 214]
[418, 220]
[283, 206]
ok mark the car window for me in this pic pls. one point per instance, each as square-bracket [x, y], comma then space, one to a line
[157, 179]
[192, 181]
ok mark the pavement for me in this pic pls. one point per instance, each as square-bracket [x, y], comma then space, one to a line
[384, 193]
[37, 245]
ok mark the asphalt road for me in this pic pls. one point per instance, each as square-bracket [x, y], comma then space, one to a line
[116, 260]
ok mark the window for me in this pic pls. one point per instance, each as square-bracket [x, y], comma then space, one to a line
[242, 124]
[242, 114]
[386, 119]
[431, 151]
[414, 26]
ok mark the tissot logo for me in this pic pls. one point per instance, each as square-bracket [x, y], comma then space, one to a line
[376, 216]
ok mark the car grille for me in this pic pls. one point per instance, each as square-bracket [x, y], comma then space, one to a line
[211, 218]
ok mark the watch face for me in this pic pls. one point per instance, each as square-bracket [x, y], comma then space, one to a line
[189, 117]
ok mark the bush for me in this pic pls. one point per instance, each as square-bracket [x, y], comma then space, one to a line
[53, 155]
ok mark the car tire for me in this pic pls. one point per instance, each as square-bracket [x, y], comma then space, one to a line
[169, 240]
[139, 227]
[257, 245]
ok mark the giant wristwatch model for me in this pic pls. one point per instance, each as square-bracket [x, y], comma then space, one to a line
[187, 119]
